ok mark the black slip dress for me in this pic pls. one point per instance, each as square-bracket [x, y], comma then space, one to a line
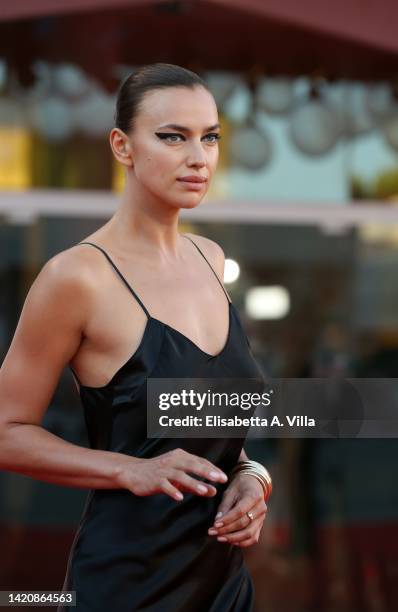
[152, 553]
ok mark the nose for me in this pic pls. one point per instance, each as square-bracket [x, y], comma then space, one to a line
[196, 157]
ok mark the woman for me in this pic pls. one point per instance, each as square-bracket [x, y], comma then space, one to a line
[136, 299]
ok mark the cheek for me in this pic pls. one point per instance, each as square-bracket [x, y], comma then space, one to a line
[159, 162]
[156, 171]
[213, 158]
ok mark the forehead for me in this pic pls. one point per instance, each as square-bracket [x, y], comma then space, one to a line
[193, 108]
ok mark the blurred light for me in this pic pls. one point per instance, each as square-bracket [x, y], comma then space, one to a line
[271, 302]
[275, 95]
[314, 127]
[222, 85]
[238, 106]
[250, 147]
[52, 118]
[380, 101]
[231, 271]
[94, 114]
[70, 81]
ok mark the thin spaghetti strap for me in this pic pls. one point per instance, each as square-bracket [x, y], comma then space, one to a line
[121, 276]
[211, 267]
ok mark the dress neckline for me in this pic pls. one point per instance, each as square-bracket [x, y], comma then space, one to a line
[208, 355]
[164, 326]
[172, 330]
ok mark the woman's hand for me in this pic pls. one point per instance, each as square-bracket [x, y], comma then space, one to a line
[244, 494]
[167, 473]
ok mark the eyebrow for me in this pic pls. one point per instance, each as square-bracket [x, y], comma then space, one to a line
[181, 128]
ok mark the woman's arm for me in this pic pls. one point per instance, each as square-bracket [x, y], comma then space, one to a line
[48, 334]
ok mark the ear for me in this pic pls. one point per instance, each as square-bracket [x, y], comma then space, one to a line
[121, 147]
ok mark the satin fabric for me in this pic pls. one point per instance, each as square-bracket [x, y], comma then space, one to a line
[153, 553]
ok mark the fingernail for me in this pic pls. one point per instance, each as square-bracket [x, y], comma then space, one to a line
[222, 539]
[218, 524]
[202, 489]
[218, 475]
[214, 475]
[212, 531]
[218, 514]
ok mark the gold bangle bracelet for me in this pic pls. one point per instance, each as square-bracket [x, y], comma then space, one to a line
[258, 471]
[254, 465]
[267, 486]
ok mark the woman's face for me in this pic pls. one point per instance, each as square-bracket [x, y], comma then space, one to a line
[174, 143]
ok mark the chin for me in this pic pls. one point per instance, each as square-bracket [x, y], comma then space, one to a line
[189, 202]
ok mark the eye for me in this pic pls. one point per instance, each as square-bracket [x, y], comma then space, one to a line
[169, 137]
[213, 137]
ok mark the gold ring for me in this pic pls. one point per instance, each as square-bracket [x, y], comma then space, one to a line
[250, 515]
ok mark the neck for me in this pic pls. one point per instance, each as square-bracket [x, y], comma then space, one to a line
[147, 222]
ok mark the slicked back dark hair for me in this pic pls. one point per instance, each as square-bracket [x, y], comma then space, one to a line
[147, 78]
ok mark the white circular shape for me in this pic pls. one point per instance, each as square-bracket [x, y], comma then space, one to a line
[222, 85]
[231, 271]
[94, 114]
[250, 147]
[380, 101]
[271, 302]
[70, 81]
[314, 127]
[237, 107]
[52, 118]
[275, 95]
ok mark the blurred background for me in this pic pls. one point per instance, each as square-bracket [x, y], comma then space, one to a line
[304, 204]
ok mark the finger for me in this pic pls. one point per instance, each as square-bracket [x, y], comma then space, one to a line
[171, 490]
[258, 511]
[178, 458]
[181, 480]
[242, 534]
[202, 467]
[246, 543]
[228, 501]
[239, 510]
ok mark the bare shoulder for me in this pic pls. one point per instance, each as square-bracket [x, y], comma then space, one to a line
[212, 250]
[67, 286]
[68, 270]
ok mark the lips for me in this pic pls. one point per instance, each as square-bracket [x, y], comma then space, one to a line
[193, 179]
